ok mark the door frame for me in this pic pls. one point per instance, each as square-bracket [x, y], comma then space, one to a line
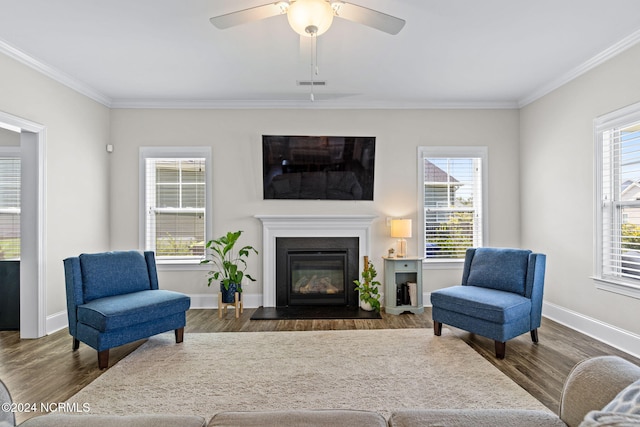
[32, 225]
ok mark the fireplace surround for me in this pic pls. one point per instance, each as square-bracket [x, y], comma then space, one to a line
[299, 226]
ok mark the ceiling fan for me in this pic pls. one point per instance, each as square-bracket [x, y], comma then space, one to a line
[311, 18]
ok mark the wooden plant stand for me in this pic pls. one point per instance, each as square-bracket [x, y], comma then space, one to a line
[237, 304]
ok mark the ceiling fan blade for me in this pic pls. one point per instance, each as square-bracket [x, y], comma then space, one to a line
[369, 17]
[247, 15]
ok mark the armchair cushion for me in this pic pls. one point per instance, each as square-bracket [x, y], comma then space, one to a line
[120, 311]
[483, 303]
[113, 273]
[503, 269]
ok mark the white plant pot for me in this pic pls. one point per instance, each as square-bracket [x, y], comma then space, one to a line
[365, 306]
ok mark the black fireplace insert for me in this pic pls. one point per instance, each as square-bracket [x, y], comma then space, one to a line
[316, 271]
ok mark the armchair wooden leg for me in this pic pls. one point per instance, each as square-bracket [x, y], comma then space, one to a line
[534, 335]
[179, 335]
[103, 359]
[76, 344]
[437, 328]
[501, 348]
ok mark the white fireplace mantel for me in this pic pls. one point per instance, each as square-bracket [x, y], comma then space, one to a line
[274, 226]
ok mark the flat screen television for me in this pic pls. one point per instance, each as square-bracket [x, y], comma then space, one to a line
[318, 167]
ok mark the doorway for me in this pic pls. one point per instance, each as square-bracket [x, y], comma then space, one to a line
[32, 224]
[9, 230]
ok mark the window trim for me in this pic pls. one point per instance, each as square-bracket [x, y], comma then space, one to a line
[615, 119]
[481, 152]
[175, 152]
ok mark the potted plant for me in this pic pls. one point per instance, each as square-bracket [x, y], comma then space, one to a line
[228, 264]
[368, 287]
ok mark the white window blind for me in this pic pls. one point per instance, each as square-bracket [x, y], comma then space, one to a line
[9, 207]
[175, 208]
[618, 215]
[452, 204]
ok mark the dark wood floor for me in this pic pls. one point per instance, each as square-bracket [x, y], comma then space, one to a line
[46, 370]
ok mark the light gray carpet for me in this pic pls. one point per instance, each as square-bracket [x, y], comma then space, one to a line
[379, 370]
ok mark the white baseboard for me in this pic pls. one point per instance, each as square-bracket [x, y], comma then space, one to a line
[621, 339]
[56, 322]
[199, 301]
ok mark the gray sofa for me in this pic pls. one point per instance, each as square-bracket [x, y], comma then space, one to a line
[587, 397]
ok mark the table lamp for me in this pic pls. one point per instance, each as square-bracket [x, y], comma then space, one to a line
[401, 228]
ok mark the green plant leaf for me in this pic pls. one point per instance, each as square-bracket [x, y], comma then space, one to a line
[227, 263]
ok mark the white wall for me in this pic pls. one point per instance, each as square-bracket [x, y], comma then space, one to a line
[9, 138]
[235, 136]
[557, 175]
[77, 166]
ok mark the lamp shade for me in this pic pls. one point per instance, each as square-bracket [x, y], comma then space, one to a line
[310, 17]
[401, 228]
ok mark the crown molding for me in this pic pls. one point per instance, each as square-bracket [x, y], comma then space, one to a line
[614, 50]
[54, 73]
[307, 104]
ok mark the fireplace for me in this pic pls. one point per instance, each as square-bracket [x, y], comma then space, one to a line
[275, 227]
[316, 271]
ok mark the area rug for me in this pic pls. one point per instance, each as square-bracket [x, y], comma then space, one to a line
[378, 370]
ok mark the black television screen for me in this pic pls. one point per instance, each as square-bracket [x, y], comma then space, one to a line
[318, 167]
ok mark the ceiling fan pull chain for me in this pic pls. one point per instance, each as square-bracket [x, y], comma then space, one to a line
[313, 64]
[316, 53]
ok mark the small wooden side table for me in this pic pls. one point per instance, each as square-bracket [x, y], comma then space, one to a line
[237, 304]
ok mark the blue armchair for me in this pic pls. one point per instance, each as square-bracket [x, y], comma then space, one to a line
[113, 299]
[500, 296]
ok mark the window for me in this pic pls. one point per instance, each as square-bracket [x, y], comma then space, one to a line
[451, 182]
[618, 201]
[175, 210]
[9, 204]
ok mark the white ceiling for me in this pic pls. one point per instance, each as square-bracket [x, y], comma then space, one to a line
[451, 53]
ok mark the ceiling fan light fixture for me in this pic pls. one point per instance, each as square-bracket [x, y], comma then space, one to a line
[283, 5]
[336, 6]
[310, 18]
